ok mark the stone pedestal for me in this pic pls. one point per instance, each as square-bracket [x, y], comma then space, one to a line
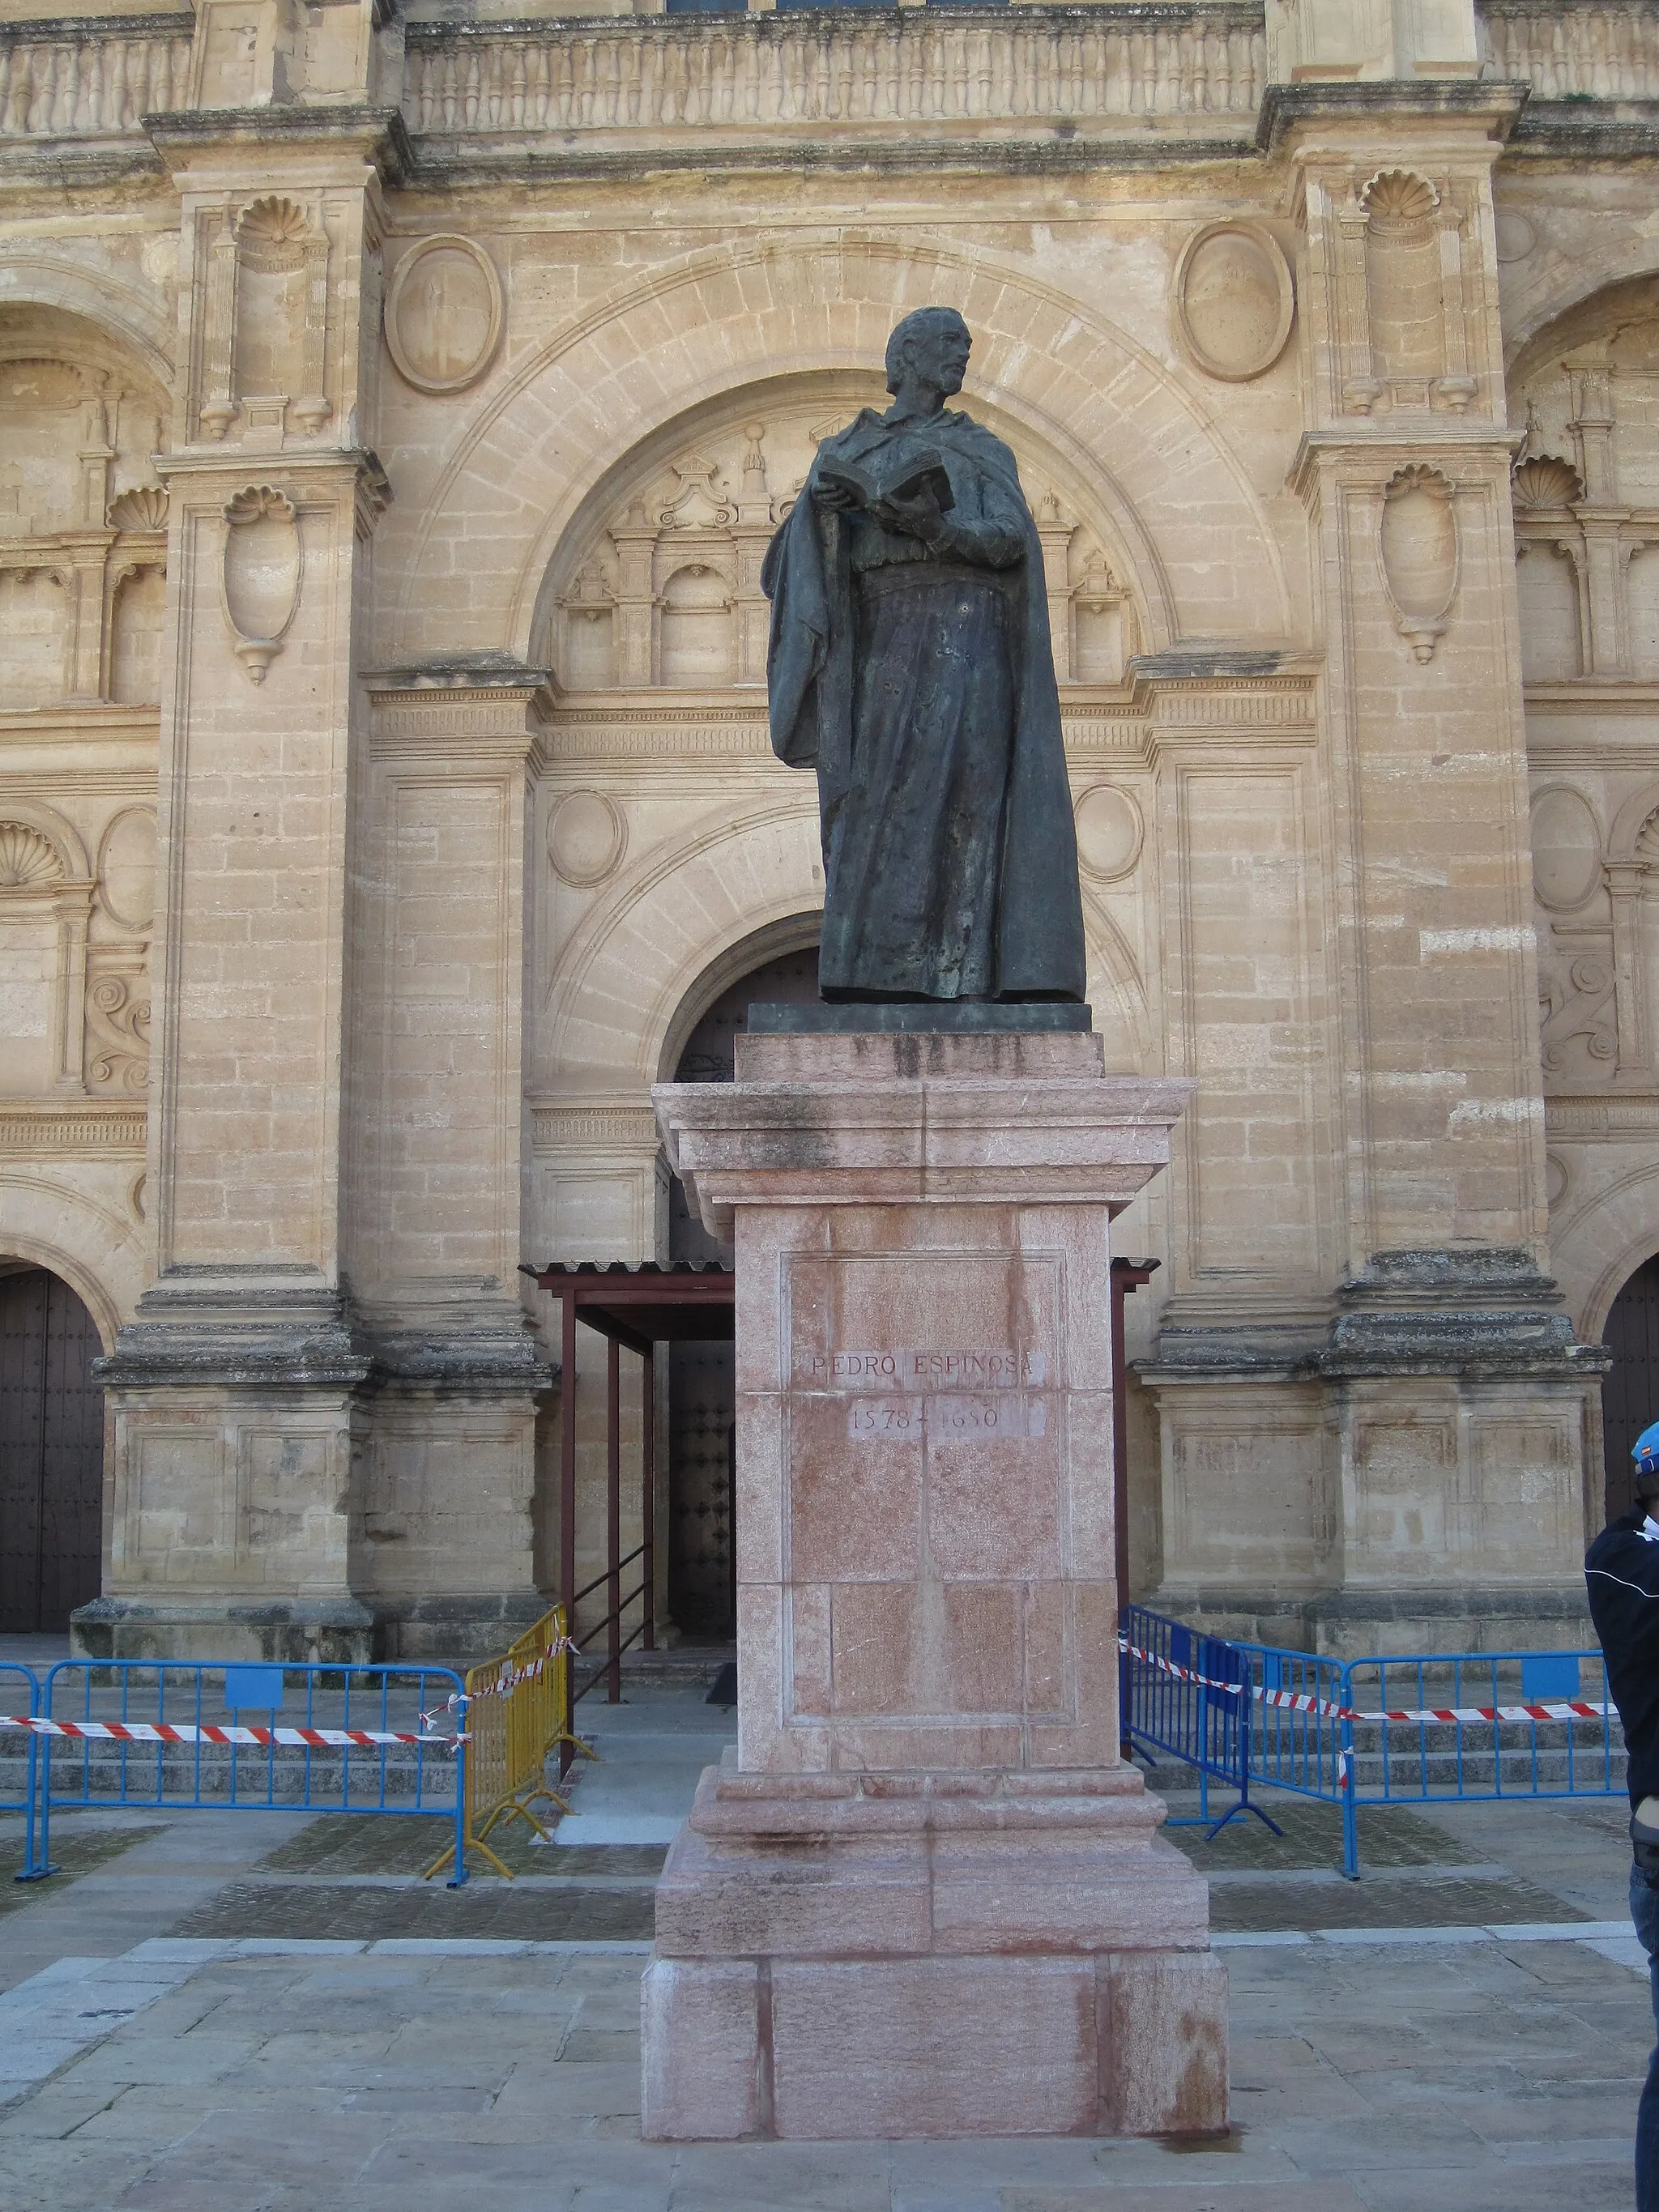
[924, 1897]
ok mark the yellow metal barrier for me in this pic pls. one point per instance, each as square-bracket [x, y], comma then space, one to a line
[517, 1713]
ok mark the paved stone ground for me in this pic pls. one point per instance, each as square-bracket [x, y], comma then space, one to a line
[260, 2013]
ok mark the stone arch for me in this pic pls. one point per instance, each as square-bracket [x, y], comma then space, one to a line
[1569, 282]
[767, 408]
[1600, 1242]
[1125, 1021]
[721, 319]
[126, 315]
[616, 994]
[98, 1252]
[1632, 819]
[774, 940]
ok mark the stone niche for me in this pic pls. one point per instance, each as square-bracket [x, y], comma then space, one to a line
[658, 583]
[82, 523]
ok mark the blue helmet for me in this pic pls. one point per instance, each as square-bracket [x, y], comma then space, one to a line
[1645, 1451]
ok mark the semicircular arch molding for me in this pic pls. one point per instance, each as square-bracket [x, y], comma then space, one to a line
[125, 316]
[1630, 820]
[721, 320]
[781, 408]
[611, 1002]
[59, 833]
[1117, 992]
[774, 940]
[53, 1225]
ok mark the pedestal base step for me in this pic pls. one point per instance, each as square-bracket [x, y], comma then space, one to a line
[1110, 2043]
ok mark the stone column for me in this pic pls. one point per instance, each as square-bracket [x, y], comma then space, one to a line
[1377, 1458]
[238, 1389]
[924, 1897]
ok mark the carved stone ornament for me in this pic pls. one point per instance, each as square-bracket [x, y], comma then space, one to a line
[1417, 551]
[143, 509]
[261, 575]
[1109, 831]
[1544, 480]
[585, 838]
[1566, 848]
[1233, 301]
[26, 858]
[443, 314]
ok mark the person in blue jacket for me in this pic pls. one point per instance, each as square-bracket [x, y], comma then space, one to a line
[1621, 1574]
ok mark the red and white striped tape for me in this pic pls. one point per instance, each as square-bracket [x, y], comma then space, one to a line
[1562, 1708]
[528, 1673]
[313, 1739]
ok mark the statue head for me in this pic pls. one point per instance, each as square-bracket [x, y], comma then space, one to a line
[932, 344]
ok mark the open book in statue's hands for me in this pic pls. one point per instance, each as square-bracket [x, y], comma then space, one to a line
[902, 470]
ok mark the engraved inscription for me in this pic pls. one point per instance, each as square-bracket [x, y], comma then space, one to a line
[994, 1414]
[921, 1370]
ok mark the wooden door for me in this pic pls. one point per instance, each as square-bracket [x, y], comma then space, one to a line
[1630, 1391]
[52, 1454]
[701, 1393]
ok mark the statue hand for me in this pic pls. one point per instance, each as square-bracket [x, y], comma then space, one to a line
[918, 516]
[839, 496]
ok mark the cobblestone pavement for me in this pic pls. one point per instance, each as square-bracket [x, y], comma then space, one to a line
[1406, 2077]
[244, 2012]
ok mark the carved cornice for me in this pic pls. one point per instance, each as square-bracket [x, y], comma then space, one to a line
[1608, 1116]
[1382, 104]
[459, 707]
[41, 1127]
[378, 135]
[593, 1128]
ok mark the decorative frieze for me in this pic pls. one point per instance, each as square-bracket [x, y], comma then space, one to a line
[41, 1129]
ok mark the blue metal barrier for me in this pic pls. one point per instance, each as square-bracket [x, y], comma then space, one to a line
[20, 1694]
[422, 1774]
[1431, 1760]
[1320, 1727]
[1184, 1694]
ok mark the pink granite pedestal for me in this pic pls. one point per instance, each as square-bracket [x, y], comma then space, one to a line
[925, 1897]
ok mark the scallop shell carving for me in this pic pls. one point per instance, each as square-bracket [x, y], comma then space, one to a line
[274, 221]
[26, 857]
[273, 234]
[143, 508]
[1395, 199]
[1544, 480]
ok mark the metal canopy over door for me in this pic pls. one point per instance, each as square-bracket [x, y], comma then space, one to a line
[1630, 1391]
[52, 1454]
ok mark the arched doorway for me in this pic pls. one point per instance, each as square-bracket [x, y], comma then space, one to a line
[52, 1454]
[1630, 1390]
[701, 1402]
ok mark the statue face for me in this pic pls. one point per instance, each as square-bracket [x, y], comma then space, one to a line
[937, 354]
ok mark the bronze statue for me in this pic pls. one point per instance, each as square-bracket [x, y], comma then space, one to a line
[910, 663]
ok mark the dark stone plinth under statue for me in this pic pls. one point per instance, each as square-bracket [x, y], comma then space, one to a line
[911, 664]
[957, 1016]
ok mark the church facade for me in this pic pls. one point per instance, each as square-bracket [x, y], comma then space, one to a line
[395, 409]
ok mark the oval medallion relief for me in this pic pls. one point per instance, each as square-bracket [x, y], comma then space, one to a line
[585, 837]
[1109, 833]
[126, 869]
[443, 313]
[1566, 848]
[1233, 300]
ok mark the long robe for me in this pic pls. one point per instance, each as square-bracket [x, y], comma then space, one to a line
[918, 682]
